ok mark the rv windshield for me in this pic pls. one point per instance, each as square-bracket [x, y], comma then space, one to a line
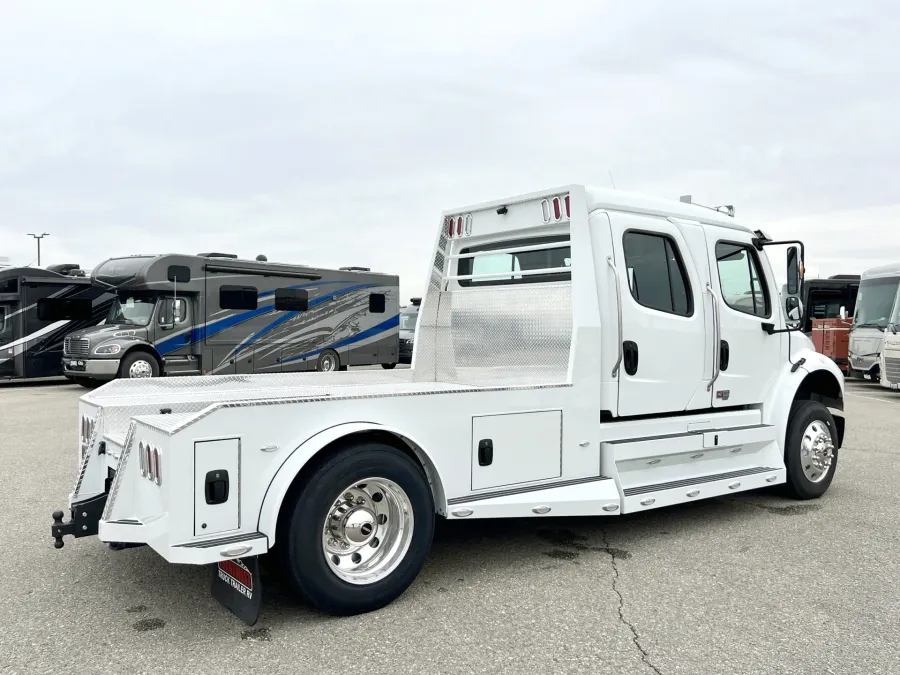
[874, 302]
[131, 310]
[408, 320]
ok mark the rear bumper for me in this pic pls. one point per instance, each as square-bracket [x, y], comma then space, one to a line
[86, 520]
[99, 369]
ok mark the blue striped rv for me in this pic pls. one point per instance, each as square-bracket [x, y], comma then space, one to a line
[213, 313]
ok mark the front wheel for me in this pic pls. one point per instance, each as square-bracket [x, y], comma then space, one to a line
[354, 536]
[811, 451]
[138, 365]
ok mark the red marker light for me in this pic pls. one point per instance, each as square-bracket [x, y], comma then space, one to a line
[556, 208]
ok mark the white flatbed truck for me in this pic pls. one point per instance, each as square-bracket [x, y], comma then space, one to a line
[579, 352]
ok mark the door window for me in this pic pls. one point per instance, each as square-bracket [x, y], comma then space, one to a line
[178, 307]
[656, 275]
[740, 279]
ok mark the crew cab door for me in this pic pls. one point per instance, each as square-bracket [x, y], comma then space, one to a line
[749, 358]
[663, 269]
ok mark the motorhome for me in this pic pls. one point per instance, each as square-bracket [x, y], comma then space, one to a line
[38, 307]
[579, 352]
[214, 314]
[409, 316]
[875, 303]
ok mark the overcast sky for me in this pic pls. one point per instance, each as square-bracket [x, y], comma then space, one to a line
[335, 133]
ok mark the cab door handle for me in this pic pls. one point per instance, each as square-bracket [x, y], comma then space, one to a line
[630, 357]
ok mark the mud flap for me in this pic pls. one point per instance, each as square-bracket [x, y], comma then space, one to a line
[236, 585]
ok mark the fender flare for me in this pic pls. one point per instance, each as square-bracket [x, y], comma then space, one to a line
[789, 382]
[284, 475]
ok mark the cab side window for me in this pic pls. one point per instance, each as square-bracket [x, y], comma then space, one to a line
[178, 307]
[741, 279]
[656, 275]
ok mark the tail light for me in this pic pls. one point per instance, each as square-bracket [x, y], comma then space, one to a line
[150, 462]
[158, 476]
[554, 209]
[142, 456]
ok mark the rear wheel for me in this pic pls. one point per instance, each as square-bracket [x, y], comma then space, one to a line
[811, 451]
[388, 366]
[355, 534]
[328, 361]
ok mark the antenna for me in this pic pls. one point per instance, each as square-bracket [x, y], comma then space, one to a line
[611, 179]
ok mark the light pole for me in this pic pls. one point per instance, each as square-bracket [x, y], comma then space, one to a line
[38, 237]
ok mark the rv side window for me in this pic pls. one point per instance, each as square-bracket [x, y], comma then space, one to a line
[237, 297]
[59, 309]
[502, 267]
[291, 299]
[656, 275]
[377, 303]
[739, 275]
[3, 323]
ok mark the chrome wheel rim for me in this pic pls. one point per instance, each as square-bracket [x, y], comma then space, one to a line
[367, 531]
[816, 451]
[328, 362]
[140, 369]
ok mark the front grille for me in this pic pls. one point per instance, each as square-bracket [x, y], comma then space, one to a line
[76, 346]
[892, 369]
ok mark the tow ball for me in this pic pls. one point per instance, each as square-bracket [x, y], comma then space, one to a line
[85, 520]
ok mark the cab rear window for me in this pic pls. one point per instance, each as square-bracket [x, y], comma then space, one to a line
[506, 267]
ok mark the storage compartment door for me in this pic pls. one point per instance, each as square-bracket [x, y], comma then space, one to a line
[217, 482]
[516, 448]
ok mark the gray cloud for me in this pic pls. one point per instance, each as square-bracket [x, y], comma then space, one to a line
[335, 134]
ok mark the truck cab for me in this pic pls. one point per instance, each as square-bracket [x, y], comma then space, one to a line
[150, 311]
[875, 303]
[125, 344]
[578, 352]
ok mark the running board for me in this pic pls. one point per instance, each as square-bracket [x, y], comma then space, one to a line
[591, 496]
[681, 491]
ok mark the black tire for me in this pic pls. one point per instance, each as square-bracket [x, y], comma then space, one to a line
[803, 414]
[304, 512]
[132, 358]
[388, 366]
[326, 357]
[86, 382]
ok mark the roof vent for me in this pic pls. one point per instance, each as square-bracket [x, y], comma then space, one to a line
[262, 258]
[232, 256]
[356, 269]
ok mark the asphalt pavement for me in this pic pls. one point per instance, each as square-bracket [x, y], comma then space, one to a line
[749, 584]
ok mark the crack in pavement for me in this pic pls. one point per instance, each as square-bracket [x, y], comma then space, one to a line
[613, 555]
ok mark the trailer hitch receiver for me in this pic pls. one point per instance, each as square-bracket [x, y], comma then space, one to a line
[84, 522]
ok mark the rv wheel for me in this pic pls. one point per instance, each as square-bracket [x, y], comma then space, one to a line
[354, 534]
[138, 365]
[388, 366]
[328, 361]
[811, 451]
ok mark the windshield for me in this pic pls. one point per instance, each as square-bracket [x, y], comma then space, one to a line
[874, 302]
[408, 321]
[131, 310]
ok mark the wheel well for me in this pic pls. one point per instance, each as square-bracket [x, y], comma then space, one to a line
[823, 387]
[405, 445]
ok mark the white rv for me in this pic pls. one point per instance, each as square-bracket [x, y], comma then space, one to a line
[875, 303]
[579, 352]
